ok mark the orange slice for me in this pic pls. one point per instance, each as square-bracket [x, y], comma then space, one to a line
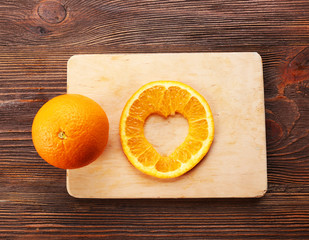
[166, 98]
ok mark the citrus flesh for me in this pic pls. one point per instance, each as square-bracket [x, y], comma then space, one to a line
[70, 131]
[166, 98]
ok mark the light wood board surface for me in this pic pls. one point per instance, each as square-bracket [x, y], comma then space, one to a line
[232, 84]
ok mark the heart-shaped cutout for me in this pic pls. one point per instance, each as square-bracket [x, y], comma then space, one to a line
[166, 134]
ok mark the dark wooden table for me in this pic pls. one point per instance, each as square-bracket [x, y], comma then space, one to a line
[38, 37]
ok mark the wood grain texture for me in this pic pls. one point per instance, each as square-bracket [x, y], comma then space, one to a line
[34, 203]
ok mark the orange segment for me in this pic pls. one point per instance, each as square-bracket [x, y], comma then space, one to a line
[148, 101]
[194, 110]
[182, 154]
[166, 98]
[134, 127]
[149, 158]
[179, 98]
[138, 145]
[167, 164]
[165, 105]
[199, 129]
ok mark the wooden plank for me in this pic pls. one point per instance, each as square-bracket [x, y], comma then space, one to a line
[181, 218]
[153, 23]
[32, 70]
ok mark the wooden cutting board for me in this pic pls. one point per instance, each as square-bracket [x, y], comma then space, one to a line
[232, 83]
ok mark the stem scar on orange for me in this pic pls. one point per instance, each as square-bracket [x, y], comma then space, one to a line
[70, 131]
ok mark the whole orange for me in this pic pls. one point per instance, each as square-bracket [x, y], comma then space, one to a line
[70, 131]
